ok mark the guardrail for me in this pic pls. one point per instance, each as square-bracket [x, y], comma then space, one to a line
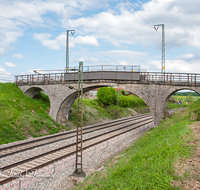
[179, 79]
[126, 68]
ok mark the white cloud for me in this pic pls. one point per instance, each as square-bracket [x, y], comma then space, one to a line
[118, 26]
[4, 72]
[60, 41]
[93, 59]
[176, 66]
[18, 56]
[81, 59]
[51, 44]
[90, 40]
[7, 37]
[187, 56]
[123, 63]
[2, 51]
[182, 25]
[9, 64]
[34, 13]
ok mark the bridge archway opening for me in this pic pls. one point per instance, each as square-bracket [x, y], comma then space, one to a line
[180, 98]
[39, 94]
[140, 107]
[64, 109]
[134, 100]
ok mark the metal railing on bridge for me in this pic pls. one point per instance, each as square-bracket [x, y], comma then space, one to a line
[119, 74]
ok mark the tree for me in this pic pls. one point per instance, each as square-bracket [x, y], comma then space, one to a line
[107, 95]
[123, 92]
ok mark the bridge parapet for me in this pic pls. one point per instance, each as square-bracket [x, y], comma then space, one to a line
[128, 77]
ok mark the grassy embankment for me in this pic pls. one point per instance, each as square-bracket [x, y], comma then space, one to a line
[95, 112]
[21, 116]
[148, 162]
[186, 101]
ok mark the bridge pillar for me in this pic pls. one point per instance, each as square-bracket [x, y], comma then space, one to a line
[152, 95]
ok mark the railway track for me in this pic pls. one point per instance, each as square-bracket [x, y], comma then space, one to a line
[33, 163]
[17, 148]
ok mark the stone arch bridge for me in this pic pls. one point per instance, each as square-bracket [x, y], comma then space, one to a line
[154, 88]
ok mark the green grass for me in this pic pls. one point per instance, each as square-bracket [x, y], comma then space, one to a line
[175, 106]
[21, 115]
[94, 112]
[148, 162]
[187, 100]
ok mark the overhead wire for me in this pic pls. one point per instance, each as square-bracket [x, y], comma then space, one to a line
[59, 33]
[43, 28]
[3, 74]
[149, 25]
[96, 50]
[137, 13]
[82, 40]
[6, 80]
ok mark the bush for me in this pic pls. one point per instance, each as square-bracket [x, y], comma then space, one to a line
[123, 101]
[130, 101]
[107, 96]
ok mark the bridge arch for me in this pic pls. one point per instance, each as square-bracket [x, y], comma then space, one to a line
[61, 96]
[63, 111]
[174, 90]
[31, 91]
[64, 108]
[142, 96]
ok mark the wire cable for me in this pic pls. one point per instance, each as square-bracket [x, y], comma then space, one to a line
[58, 33]
[6, 80]
[149, 25]
[138, 13]
[96, 50]
[43, 28]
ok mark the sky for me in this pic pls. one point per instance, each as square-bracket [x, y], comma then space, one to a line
[108, 32]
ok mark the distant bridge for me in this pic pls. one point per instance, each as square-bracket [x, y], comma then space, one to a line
[154, 88]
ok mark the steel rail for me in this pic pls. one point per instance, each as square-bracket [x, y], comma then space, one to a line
[124, 120]
[66, 146]
[71, 153]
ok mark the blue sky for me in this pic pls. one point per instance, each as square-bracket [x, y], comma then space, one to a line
[108, 32]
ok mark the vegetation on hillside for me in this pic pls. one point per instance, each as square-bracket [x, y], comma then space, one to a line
[93, 112]
[107, 96]
[185, 101]
[148, 162]
[186, 94]
[21, 116]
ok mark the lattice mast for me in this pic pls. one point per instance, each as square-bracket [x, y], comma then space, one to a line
[67, 48]
[79, 132]
[163, 46]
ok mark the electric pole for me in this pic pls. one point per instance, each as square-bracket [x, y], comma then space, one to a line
[67, 49]
[163, 46]
[79, 130]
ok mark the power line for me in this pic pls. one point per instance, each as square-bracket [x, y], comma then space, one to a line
[3, 74]
[6, 80]
[96, 50]
[137, 13]
[148, 24]
[30, 24]
[58, 33]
